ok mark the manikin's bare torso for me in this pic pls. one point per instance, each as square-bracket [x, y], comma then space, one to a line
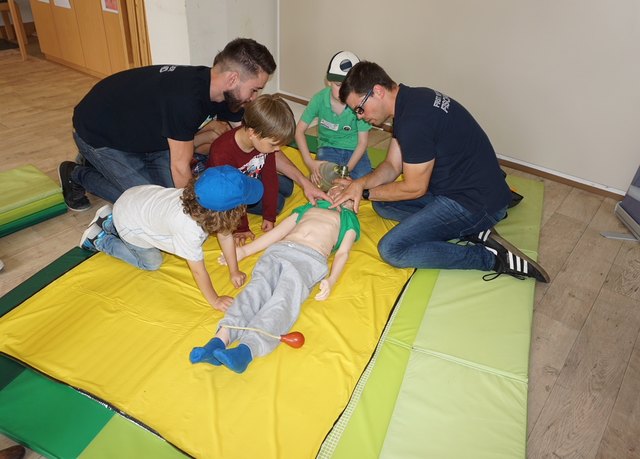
[318, 229]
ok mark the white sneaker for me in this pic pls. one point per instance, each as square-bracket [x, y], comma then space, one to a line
[101, 215]
[90, 236]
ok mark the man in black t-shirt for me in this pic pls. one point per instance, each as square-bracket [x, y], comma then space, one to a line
[138, 126]
[451, 188]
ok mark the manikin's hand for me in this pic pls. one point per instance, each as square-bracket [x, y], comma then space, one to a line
[222, 303]
[243, 237]
[325, 290]
[267, 225]
[238, 278]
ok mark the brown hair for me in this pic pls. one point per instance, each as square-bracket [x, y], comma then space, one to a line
[362, 77]
[210, 221]
[248, 54]
[270, 117]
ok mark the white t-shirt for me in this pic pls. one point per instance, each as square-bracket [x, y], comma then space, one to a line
[152, 216]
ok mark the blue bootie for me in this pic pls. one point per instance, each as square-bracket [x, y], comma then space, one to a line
[205, 354]
[236, 359]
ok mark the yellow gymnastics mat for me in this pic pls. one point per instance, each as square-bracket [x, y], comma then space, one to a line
[124, 335]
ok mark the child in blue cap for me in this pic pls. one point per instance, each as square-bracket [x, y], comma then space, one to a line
[147, 220]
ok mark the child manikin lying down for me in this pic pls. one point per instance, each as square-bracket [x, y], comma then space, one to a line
[294, 261]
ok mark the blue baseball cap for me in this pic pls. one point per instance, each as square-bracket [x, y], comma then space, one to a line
[225, 187]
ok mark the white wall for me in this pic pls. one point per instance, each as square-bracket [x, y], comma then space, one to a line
[168, 33]
[556, 84]
[194, 31]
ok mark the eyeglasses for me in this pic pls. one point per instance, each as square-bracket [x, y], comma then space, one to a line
[360, 108]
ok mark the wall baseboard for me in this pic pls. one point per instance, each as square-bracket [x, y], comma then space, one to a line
[564, 179]
[521, 166]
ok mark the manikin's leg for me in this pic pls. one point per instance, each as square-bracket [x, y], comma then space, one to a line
[281, 281]
[205, 353]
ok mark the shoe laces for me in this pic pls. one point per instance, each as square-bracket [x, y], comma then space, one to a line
[491, 276]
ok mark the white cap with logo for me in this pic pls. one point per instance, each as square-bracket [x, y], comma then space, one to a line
[340, 65]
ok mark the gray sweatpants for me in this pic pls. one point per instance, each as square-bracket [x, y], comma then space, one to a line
[281, 281]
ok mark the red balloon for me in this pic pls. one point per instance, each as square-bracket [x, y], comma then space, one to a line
[294, 339]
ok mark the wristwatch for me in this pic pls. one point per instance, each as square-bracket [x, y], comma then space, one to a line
[365, 194]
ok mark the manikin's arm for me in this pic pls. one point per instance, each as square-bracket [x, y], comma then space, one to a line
[286, 167]
[264, 241]
[203, 281]
[180, 154]
[339, 262]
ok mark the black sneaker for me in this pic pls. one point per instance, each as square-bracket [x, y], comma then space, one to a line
[509, 259]
[479, 238]
[74, 194]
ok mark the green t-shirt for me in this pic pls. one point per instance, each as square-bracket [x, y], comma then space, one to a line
[348, 219]
[337, 131]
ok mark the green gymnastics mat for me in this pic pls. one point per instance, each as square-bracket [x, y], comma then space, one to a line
[449, 377]
[27, 196]
[54, 419]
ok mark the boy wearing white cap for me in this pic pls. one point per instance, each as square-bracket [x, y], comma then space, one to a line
[342, 137]
[147, 220]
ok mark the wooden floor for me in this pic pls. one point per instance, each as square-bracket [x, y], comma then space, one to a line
[585, 354]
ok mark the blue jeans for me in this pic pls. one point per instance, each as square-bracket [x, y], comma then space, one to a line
[149, 259]
[285, 189]
[341, 157]
[108, 172]
[426, 224]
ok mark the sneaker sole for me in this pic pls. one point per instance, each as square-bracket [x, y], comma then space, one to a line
[77, 210]
[513, 249]
[85, 237]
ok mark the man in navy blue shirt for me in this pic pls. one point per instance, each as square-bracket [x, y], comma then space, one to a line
[138, 126]
[451, 188]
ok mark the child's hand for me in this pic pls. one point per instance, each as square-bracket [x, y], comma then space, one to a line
[222, 303]
[243, 237]
[325, 290]
[238, 278]
[267, 225]
[314, 168]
